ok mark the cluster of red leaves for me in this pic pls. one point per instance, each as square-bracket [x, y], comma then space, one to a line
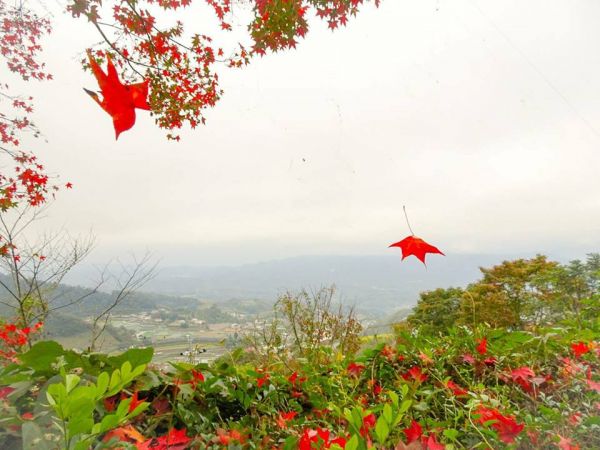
[414, 434]
[20, 34]
[319, 438]
[173, 440]
[277, 24]
[13, 338]
[225, 437]
[506, 426]
[337, 12]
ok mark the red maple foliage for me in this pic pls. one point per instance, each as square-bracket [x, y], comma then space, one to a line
[181, 64]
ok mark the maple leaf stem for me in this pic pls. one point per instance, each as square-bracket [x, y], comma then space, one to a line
[407, 222]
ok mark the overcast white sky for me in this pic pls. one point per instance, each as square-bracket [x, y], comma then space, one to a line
[483, 117]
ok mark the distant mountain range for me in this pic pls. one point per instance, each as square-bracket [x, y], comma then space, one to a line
[381, 283]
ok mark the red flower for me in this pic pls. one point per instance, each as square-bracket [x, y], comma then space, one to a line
[580, 348]
[355, 369]
[27, 416]
[414, 432]
[482, 346]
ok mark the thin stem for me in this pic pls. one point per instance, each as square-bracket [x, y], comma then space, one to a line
[407, 222]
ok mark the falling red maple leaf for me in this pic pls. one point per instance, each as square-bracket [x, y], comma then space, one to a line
[118, 100]
[413, 245]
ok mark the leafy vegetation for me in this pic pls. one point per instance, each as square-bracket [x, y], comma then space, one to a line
[532, 385]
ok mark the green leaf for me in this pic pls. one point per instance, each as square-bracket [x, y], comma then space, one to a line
[71, 381]
[42, 355]
[352, 443]
[387, 413]
[135, 357]
[382, 430]
[451, 434]
[405, 406]
[102, 384]
[394, 397]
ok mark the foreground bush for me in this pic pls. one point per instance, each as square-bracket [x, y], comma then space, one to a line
[468, 389]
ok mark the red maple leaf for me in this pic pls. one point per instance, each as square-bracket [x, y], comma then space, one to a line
[412, 245]
[118, 100]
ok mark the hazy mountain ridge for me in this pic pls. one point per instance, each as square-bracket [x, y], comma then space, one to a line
[371, 282]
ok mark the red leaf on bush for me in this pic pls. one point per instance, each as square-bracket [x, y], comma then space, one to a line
[413, 245]
[580, 348]
[414, 432]
[593, 385]
[522, 376]
[125, 433]
[506, 426]
[355, 369]
[455, 388]
[482, 346]
[260, 382]
[431, 443]
[118, 100]
[566, 444]
[173, 440]
[134, 402]
[468, 358]
[416, 374]
[5, 391]
[284, 418]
